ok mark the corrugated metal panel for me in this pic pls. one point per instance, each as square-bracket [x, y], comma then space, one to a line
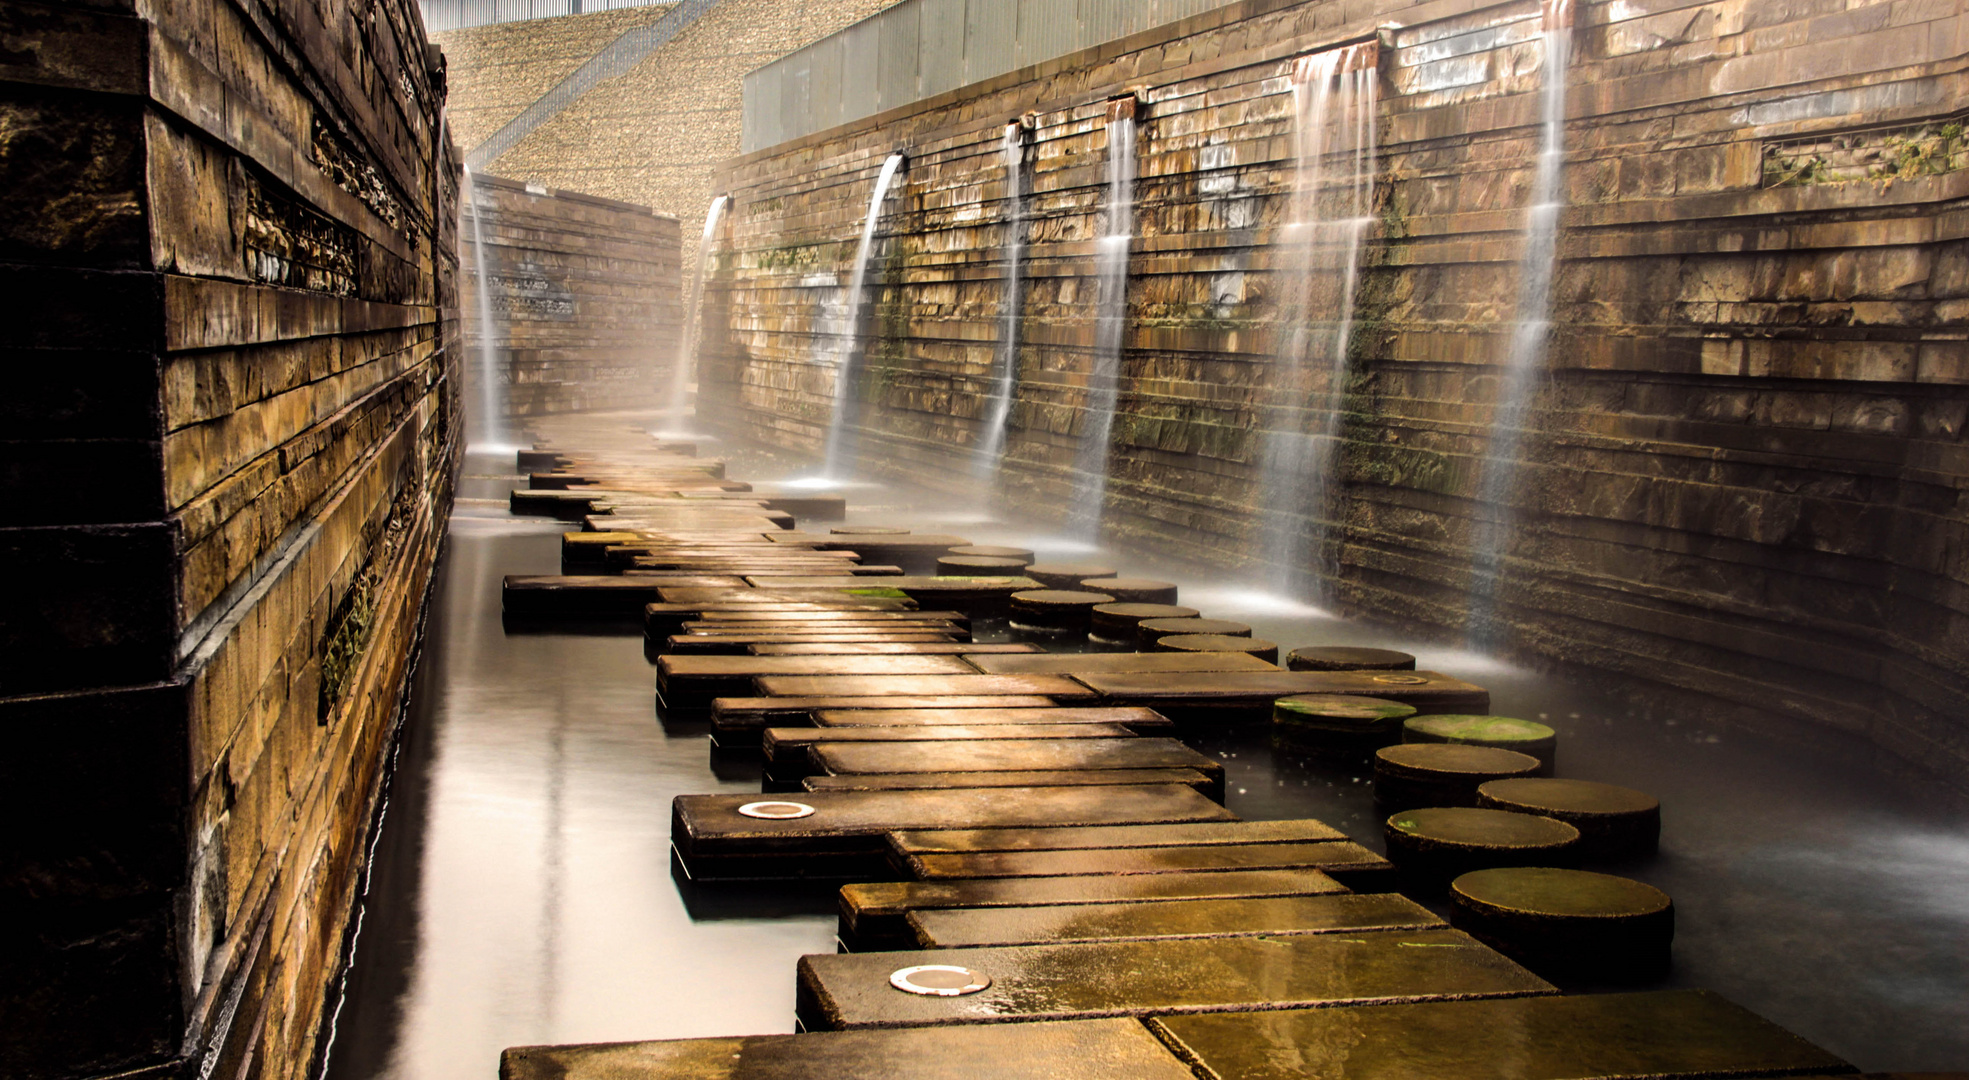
[1106, 20]
[825, 109]
[940, 37]
[861, 47]
[900, 55]
[1047, 28]
[991, 31]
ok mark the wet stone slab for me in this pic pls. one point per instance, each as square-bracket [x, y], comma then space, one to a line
[1343, 860]
[1105, 663]
[788, 750]
[739, 721]
[1660, 1035]
[844, 836]
[1176, 975]
[1210, 786]
[1248, 696]
[1057, 687]
[742, 644]
[544, 595]
[1003, 755]
[958, 928]
[899, 649]
[874, 914]
[1200, 834]
[660, 620]
[691, 682]
[1141, 721]
[1114, 1049]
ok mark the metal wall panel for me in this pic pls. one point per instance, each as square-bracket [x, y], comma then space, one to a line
[991, 32]
[1047, 28]
[940, 37]
[824, 108]
[897, 66]
[861, 47]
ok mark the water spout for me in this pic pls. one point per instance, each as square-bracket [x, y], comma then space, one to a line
[1110, 323]
[1330, 213]
[491, 428]
[689, 335]
[849, 344]
[1528, 337]
[991, 443]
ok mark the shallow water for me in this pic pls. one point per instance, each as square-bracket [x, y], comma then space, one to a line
[521, 891]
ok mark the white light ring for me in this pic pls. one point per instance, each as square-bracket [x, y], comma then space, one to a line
[776, 810]
[974, 981]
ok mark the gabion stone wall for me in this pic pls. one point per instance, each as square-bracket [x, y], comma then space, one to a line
[1744, 458]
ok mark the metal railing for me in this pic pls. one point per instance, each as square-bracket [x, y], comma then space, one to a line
[616, 59]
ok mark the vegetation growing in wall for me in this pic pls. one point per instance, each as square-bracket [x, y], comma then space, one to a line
[1879, 156]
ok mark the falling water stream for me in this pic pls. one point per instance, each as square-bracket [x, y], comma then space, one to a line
[991, 444]
[1110, 323]
[492, 405]
[689, 338]
[849, 343]
[1528, 338]
[1333, 96]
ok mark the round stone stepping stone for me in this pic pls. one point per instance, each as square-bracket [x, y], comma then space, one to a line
[1433, 845]
[978, 566]
[1134, 590]
[1442, 774]
[1067, 575]
[1503, 732]
[1118, 622]
[1568, 923]
[1613, 822]
[1337, 723]
[866, 530]
[1341, 658]
[1258, 647]
[1151, 630]
[995, 551]
[1056, 609]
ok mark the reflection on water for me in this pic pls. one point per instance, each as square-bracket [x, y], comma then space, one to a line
[522, 894]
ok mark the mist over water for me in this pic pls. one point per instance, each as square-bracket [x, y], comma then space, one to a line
[692, 332]
[850, 345]
[991, 442]
[1110, 325]
[490, 430]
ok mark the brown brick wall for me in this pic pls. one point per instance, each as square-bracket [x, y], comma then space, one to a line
[232, 422]
[1744, 463]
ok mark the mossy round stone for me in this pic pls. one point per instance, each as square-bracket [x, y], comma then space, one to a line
[866, 530]
[1614, 822]
[1565, 923]
[1258, 647]
[1442, 774]
[1503, 732]
[1120, 621]
[995, 551]
[977, 566]
[1066, 575]
[1342, 658]
[1134, 590]
[1432, 845]
[1337, 724]
[1149, 631]
[1056, 609]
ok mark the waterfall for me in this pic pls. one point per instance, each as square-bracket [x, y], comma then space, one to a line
[1526, 359]
[689, 334]
[492, 404]
[991, 442]
[849, 345]
[1110, 323]
[1330, 212]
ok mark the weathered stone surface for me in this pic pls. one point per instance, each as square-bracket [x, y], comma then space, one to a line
[1245, 645]
[1107, 663]
[1005, 755]
[1503, 732]
[1342, 658]
[737, 722]
[1248, 696]
[789, 748]
[977, 927]
[1568, 923]
[1435, 844]
[1142, 721]
[1442, 774]
[1613, 822]
[692, 681]
[1210, 786]
[1345, 861]
[1057, 687]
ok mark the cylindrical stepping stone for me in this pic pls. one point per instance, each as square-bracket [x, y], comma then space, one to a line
[1503, 732]
[1061, 610]
[866, 530]
[978, 566]
[1149, 631]
[1568, 924]
[1337, 723]
[1066, 575]
[1613, 822]
[1442, 774]
[1117, 622]
[1341, 658]
[995, 551]
[1134, 590]
[1258, 647]
[1433, 845]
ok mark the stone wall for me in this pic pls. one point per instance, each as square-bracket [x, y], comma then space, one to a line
[230, 429]
[583, 295]
[1744, 461]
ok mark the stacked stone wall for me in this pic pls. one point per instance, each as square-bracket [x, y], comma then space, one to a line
[583, 294]
[231, 431]
[1744, 460]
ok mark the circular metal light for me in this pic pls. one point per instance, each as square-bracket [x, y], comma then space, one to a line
[1401, 680]
[776, 811]
[939, 980]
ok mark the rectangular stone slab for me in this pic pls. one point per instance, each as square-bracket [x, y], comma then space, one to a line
[1657, 1035]
[755, 627]
[1249, 694]
[741, 645]
[789, 748]
[745, 594]
[1106, 663]
[1137, 720]
[563, 594]
[839, 611]
[1116, 1049]
[1172, 975]
[1203, 834]
[915, 553]
[844, 836]
[1047, 752]
[1054, 924]
[874, 914]
[923, 583]
[877, 648]
[738, 721]
[692, 681]
[1343, 860]
[1057, 687]
[662, 620]
[1210, 786]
